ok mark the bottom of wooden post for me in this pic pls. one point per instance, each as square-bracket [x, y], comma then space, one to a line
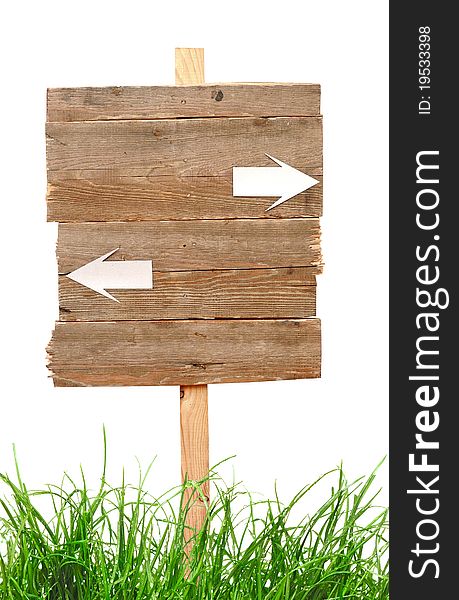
[194, 428]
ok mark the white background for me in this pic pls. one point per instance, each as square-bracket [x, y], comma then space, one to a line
[285, 431]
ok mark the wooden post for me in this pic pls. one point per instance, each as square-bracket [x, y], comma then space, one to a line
[194, 423]
[189, 66]
[194, 431]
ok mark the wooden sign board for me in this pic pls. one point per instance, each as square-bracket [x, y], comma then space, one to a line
[147, 176]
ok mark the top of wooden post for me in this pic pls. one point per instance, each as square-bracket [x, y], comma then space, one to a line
[189, 66]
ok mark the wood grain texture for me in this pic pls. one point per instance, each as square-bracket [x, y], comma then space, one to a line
[194, 422]
[127, 353]
[194, 437]
[195, 245]
[189, 66]
[184, 147]
[98, 195]
[233, 294]
[170, 102]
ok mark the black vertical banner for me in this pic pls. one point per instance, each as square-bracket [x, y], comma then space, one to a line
[424, 237]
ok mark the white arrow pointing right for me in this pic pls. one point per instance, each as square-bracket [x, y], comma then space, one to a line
[285, 181]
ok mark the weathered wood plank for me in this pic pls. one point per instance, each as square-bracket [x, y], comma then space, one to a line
[98, 195]
[249, 294]
[185, 147]
[183, 352]
[169, 102]
[195, 245]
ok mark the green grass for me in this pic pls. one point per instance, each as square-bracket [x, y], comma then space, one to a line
[117, 543]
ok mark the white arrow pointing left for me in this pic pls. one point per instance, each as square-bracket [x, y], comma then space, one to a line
[99, 275]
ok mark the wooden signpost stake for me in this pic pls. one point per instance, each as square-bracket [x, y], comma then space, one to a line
[194, 414]
[188, 239]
